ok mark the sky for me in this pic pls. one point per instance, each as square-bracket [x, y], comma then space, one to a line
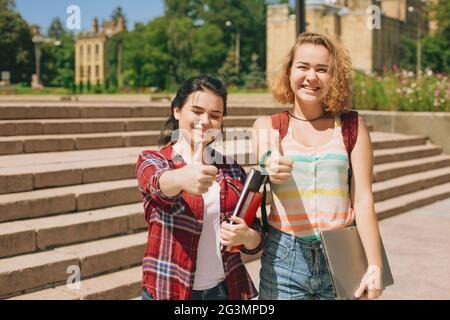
[41, 12]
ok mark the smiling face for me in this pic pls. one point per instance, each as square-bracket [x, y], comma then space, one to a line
[201, 116]
[309, 74]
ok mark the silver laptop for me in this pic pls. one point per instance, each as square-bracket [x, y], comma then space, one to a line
[347, 261]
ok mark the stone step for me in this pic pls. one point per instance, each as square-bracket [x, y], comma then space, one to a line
[19, 237]
[126, 284]
[55, 110]
[47, 202]
[396, 169]
[97, 284]
[66, 142]
[45, 232]
[394, 140]
[410, 183]
[407, 202]
[406, 153]
[37, 270]
[20, 173]
[77, 126]
[120, 285]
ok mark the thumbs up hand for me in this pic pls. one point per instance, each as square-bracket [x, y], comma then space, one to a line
[278, 166]
[196, 178]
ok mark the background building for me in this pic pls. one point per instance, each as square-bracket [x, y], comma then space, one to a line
[346, 22]
[90, 59]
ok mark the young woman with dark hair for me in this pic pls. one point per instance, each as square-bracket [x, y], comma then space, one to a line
[188, 205]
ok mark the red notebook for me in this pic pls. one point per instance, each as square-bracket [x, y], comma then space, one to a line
[250, 199]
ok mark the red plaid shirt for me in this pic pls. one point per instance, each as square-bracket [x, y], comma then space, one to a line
[175, 225]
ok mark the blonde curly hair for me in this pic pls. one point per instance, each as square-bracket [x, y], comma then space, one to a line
[339, 97]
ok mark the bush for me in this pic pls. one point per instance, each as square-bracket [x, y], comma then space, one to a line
[400, 90]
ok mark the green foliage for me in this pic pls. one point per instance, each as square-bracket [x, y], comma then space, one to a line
[248, 17]
[58, 62]
[229, 70]
[118, 13]
[208, 49]
[435, 46]
[7, 5]
[146, 60]
[56, 29]
[16, 47]
[255, 77]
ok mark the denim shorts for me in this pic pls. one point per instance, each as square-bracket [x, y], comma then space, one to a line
[293, 269]
[219, 292]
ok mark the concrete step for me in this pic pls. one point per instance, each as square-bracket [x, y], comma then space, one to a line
[406, 202]
[20, 173]
[410, 183]
[66, 142]
[393, 140]
[80, 125]
[396, 169]
[47, 202]
[126, 284]
[120, 285]
[67, 110]
[406, 153]
[19, 237]
[36, 270]
[46, 232]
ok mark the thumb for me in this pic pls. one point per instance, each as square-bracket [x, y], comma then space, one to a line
[198, 153]
[275, 146]
[360, 290]
[275, 141]
[238, 220]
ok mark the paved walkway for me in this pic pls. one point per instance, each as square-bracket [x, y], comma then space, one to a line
[417, 244]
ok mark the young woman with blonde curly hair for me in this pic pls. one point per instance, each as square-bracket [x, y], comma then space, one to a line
[308, 166]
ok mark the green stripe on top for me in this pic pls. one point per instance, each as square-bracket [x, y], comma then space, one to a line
[332, 169]
[311, 238]
[328, 156]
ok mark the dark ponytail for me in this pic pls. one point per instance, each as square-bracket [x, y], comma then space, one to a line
[198, 83]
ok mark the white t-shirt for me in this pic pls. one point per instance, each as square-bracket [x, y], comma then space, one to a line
[209, 271]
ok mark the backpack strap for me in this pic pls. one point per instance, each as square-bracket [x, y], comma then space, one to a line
[280, 122]
[349, 121]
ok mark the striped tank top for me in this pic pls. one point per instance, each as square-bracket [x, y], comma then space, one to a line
[316, 197]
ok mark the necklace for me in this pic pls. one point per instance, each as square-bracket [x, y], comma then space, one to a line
[307, 119]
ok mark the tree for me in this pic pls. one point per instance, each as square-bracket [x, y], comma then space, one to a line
[16, 46]
[229, 70]
[180, 33]
[248, 17]
[255, 78]
[208, 49]
[441, 12]
[435, 46]
[56, 29]
[9, 5]
[183, 8]
[146, 57]
[118, 13]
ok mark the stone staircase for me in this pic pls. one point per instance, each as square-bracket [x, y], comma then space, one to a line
[68, 195]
